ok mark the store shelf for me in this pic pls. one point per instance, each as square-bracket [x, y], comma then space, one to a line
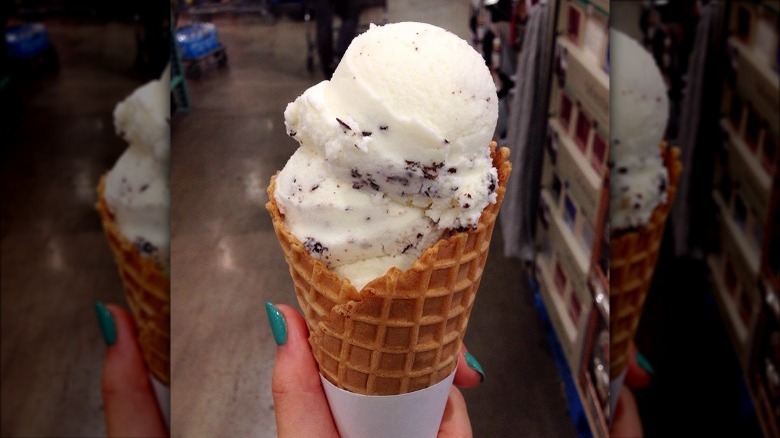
[563, 238]
[760, 82]
[592, 86]
[577, 412]
[561, 321]
[728, 309]
[758, 179]
[747, 252]
[583, 181]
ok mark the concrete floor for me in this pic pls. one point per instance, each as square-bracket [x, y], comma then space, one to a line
[225, 258]
[55, 260]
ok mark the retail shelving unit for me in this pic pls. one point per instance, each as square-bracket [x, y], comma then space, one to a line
[571, 264]
[744, 271]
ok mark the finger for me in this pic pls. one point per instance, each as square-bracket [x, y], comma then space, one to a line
[300, 404]
[128, 398]
[627, 423]
[469, 373]
[638, 373]
[455, 422]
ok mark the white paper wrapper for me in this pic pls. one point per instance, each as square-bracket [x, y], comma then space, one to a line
[614, 392]
[414, 415]
[163, 395]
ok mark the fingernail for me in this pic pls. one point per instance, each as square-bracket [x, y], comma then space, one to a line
[644, 363]
[278, 324]
[106, 323]
[472, 362]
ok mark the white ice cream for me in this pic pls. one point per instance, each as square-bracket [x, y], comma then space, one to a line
[137, 189]
[394, 150]
[639, 111]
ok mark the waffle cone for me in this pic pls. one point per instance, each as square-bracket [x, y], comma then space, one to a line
[633, 257]
[403, 331]
[147, 291]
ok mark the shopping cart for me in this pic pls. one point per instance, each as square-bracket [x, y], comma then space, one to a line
[200, 48]
[29, 48]
[367, 9]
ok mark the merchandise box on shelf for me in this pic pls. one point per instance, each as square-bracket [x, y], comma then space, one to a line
[585, 23]
[586, 82]
[745, 174]
[735, 274]
[752, 92]
[561, 270]
[578, 192]
[753, 29]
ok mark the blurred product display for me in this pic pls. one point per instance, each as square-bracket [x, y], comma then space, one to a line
[746, 188]
[572, 230]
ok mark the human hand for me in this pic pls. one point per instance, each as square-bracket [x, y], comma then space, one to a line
[626, 422]
[129, 402]
[300, 404]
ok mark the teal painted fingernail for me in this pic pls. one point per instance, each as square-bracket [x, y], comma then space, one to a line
[472, 362]
[278, 324]
[644, 363]
[106, 323]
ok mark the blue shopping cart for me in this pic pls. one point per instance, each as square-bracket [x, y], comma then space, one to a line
[29, 48]
[200, 48]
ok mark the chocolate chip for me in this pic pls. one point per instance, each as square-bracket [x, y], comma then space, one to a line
[144, 246]
[314, 246]
[341, 122]
[398, 179]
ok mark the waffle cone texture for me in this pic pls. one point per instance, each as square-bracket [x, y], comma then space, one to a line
[147, 291]
[633, 257]
[403, 331]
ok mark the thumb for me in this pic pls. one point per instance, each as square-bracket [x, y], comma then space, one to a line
[299, 400]
[128, 398]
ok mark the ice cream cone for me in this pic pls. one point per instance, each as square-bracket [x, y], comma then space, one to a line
[147, 290]
[403, 331]
[633, 256]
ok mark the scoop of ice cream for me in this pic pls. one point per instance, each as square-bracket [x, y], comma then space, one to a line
[137, 190]
[341, 224]
[639, 111]
[410, 112]
[399, 135]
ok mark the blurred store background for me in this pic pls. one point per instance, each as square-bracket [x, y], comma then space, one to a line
[65, 65]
